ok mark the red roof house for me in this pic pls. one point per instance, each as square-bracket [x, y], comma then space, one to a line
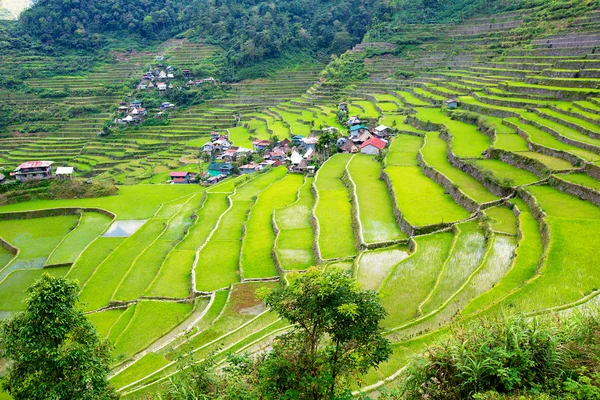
[373, 146]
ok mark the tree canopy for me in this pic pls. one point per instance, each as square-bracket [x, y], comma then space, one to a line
[335, 336]
[55, 352]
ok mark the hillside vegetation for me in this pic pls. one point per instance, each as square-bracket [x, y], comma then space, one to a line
[486, 209]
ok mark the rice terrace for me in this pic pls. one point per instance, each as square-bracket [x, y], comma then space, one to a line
[450, 164]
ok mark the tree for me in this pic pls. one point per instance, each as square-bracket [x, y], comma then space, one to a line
[335, 336]
[55, 351]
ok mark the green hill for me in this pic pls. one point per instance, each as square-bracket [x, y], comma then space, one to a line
[485, 209]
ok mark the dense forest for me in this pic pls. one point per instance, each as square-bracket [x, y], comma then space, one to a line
[250, 30]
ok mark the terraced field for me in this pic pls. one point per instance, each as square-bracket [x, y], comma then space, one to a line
[490, 207]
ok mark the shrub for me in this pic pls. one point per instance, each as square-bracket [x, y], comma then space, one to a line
[516, 355]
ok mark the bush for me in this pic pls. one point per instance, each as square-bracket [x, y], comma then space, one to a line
[514, 356]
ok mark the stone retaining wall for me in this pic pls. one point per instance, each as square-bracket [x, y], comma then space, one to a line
[454, 191]
[582, 192]
[516, 160]
[9, 247]
[404, 225]
[568, 124]
[540, 217]
[53, 212]
[559, 137]
[573, 159]
[471, 170]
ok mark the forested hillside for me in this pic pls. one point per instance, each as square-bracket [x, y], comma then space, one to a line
[444, 154]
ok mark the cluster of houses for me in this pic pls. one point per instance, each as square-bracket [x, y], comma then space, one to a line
[157, 79]
[364, 139]
[38, 170]
[134, 113]
[131, 114]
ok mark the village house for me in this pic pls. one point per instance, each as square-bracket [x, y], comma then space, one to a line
[349, 147]
[249, 168]
[276, 155]
[382, 131]
[187, 73]
[217, 168]
[162, 87]
[208, 147]
[260, 145]
[296, 158]
[357, 130]
[33, 170]
[363, 137]
[452, 103]
[344, 107]
[182, 177]
[215, 179]
[135, 104]
[310, 142]
[297, 140]
[373, 146]
[64, 173]
[353, 121]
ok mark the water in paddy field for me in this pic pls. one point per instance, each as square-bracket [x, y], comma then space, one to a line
[124, 228]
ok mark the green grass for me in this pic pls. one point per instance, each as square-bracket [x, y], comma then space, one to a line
[259, 237]
[14, 285]
[376, 211]
[434, 153]
[467, 255]
[126, 204]
[467, 141]
[90, 226]
[510, 142]
[411, 186]
[505, 173]
[370, 111]
[561, 129]
[502, 220]
[526, 263]
[98, 290]
[410, 99]
[374, 266]
[294, 244]
[35, 238]
[553, 163]
[569, 274]
[93, 256]
[174, 278]
[419, 273]
[542, 138]
[581, 179]
[105, 320]
[151, 320]
[219, 261]
[403, 150]
[333, 210]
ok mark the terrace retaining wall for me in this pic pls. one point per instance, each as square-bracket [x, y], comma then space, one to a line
[582, 192]
[315, 226]
[404, 225]
[568, 124]
[540, 217]
[575, 115]
[559, 137]
[53, 212]
[473, 171]
[9, 247]
[573, 159]
[450, 187]
[516, 160]
[494, 112]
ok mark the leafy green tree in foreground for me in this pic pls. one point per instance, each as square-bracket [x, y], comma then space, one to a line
[54, 350]
[336, 337]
